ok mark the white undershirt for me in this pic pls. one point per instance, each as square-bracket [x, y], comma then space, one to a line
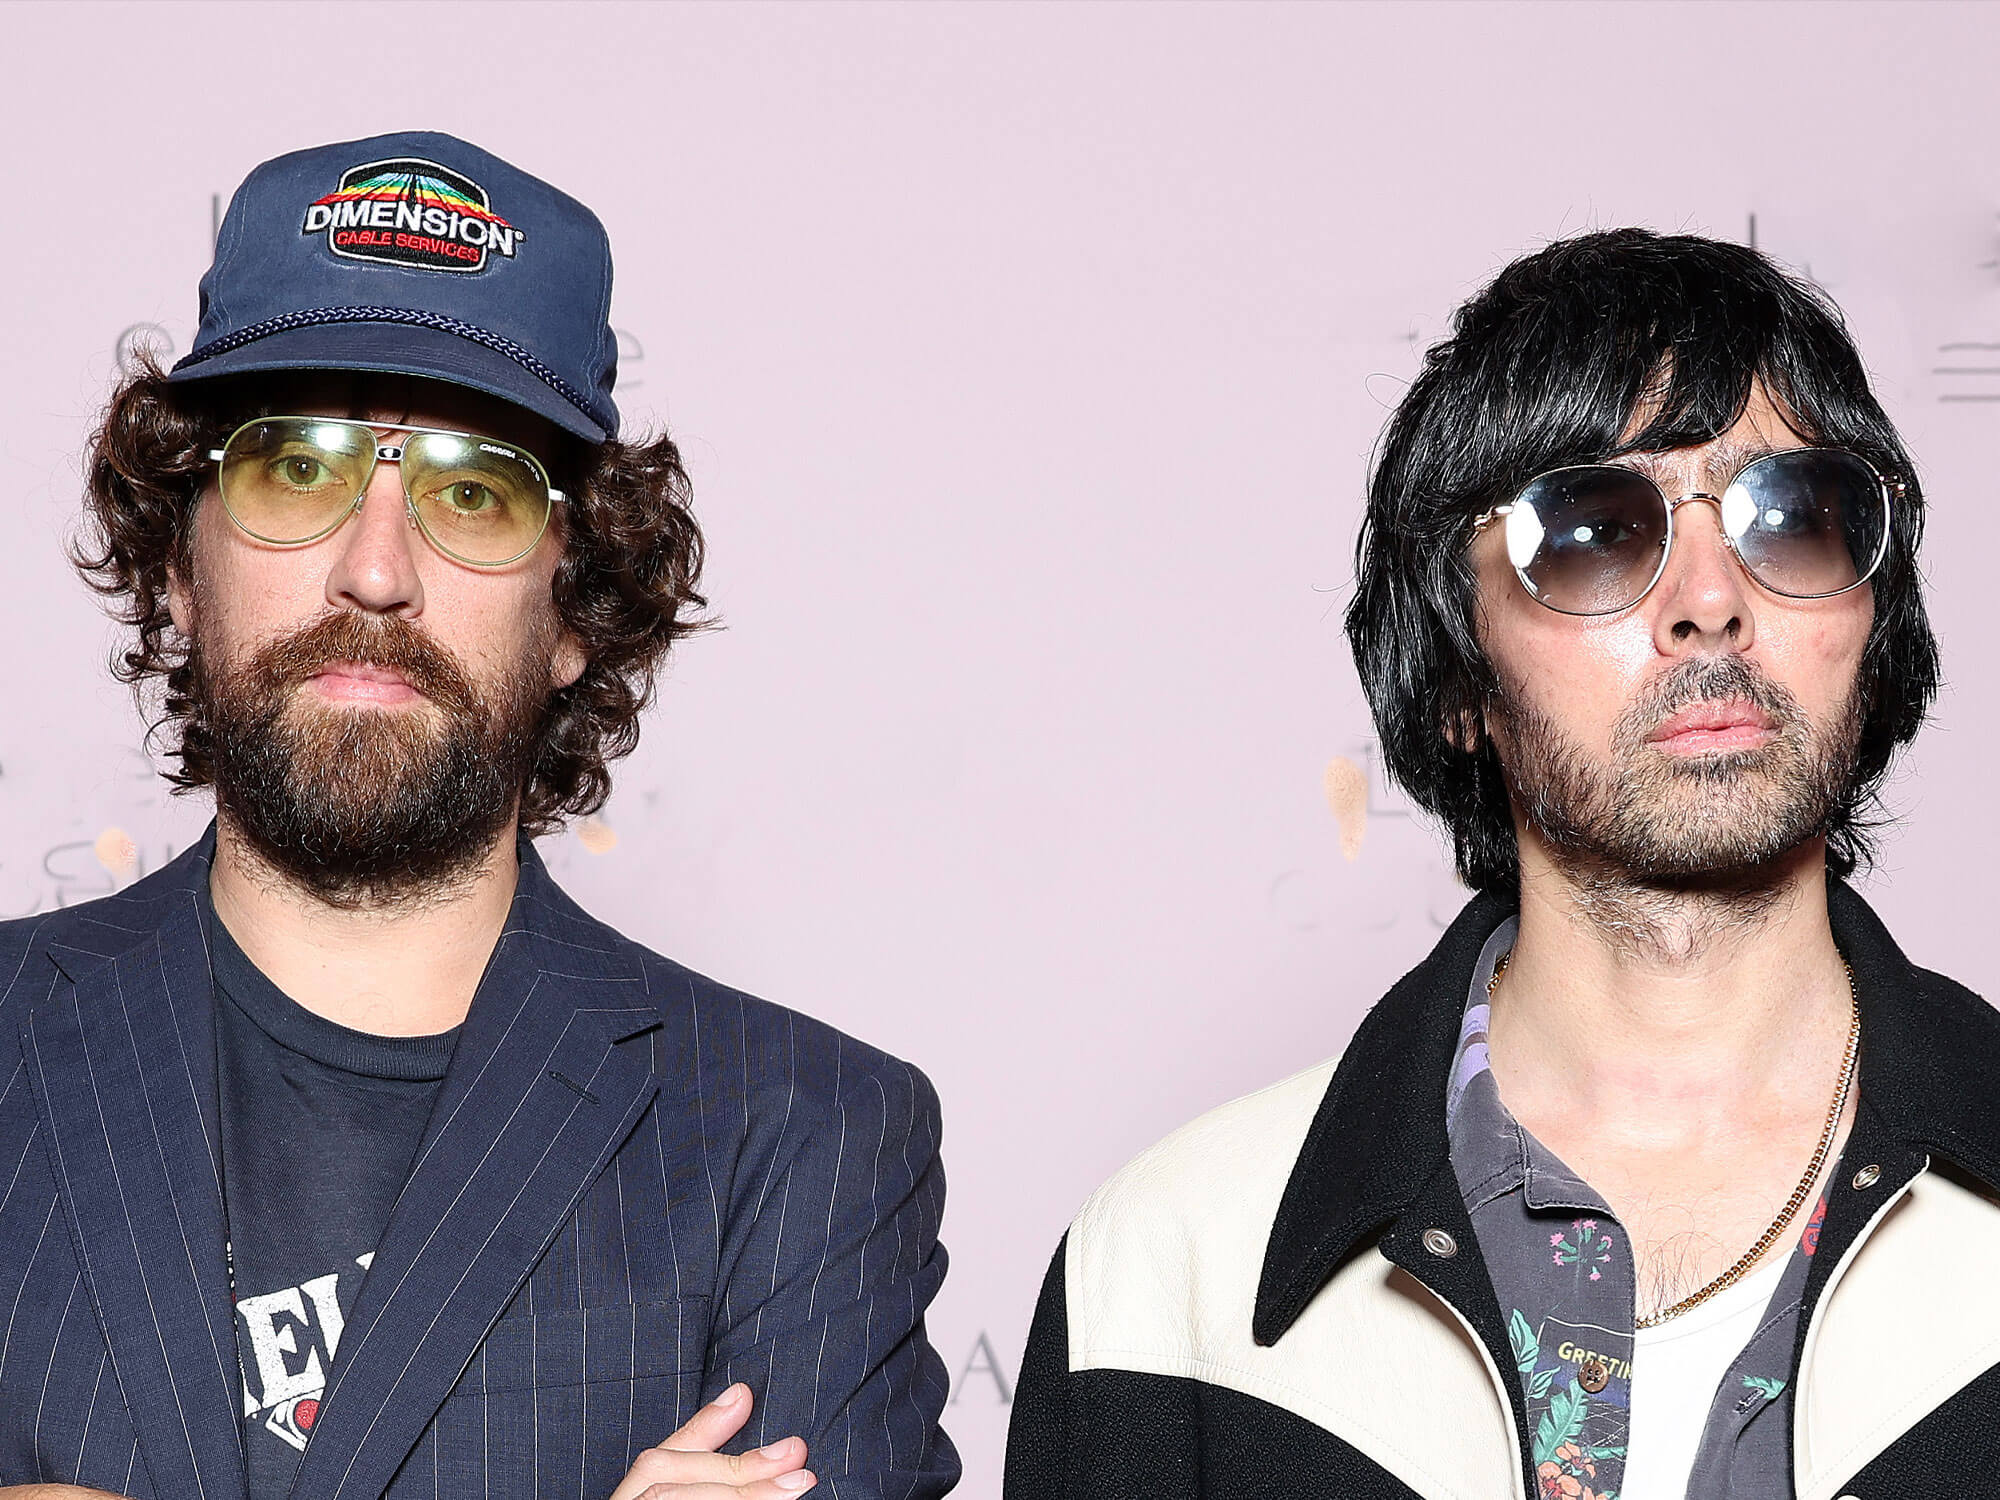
[1676, 1368]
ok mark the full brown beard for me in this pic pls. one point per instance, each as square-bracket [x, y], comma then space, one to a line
[363, 806]
[1649, 818]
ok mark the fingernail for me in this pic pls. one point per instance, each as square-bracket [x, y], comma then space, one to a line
[734, 1396]
[776, 1450]
[798, 1479]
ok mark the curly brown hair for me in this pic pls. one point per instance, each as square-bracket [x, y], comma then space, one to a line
[627, 587]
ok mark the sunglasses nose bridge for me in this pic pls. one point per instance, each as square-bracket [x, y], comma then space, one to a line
[389, 453]
[1697, 497]
[1677, 537]
[1728, 518]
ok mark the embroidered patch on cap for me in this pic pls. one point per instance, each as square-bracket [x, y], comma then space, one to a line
[410, 212]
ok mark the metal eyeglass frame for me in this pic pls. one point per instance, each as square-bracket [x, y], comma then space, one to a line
[394, 455]
[1890, 490]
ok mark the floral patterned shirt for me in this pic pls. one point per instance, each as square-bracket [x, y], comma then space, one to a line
[1566, 1284]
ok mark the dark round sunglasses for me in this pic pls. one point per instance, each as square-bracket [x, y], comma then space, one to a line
[1592, 539]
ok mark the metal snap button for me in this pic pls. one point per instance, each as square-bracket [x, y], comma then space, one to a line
[1867, 1177]
[1440, 1244]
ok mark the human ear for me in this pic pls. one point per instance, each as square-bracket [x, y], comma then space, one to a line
[182, 593]
[567, 661]
[1465, 730]
[180, 600]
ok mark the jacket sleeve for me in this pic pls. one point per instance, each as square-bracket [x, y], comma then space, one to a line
[1110, 1434]
[1038, 1432]
[821, 1306]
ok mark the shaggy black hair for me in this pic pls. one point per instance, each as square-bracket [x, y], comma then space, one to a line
[1549, 365]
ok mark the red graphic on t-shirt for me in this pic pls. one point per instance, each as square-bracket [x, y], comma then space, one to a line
[292, 1336]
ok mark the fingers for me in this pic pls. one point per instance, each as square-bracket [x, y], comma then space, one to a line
[775, 1470]
[786, 1487]
[715, 1424]
[710, 1482]
[686, 1466]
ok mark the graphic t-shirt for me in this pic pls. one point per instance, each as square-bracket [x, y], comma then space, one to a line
[320, 1126]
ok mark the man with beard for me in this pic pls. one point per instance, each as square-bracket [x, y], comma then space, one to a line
[1665, 1174]
[345, 1156]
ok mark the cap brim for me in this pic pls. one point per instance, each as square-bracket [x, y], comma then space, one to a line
[397, 349]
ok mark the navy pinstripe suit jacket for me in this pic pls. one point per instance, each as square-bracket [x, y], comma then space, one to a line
[636, 1187]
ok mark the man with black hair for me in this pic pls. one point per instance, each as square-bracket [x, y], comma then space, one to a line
[1665, 1174]
[346, 1157]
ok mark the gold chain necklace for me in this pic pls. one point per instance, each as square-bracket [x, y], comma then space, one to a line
[1813, 1168]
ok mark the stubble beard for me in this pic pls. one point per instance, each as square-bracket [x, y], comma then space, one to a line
[363, 807]
[1669, 853]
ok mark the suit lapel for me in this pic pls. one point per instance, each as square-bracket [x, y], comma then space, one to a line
[539, 1095]
[123, 1067]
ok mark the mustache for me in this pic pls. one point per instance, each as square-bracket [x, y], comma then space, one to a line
[383, 641]
[1707, 679]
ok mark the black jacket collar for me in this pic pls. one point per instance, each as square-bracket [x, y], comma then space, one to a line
[1930, 1067]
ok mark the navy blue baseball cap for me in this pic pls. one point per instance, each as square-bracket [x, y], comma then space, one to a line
[415, 254]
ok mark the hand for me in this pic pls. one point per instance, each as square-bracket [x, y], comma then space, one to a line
[687, 1467]
[52, 1492]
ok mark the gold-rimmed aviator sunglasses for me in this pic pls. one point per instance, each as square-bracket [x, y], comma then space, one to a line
[289, 481]
[1593, 539]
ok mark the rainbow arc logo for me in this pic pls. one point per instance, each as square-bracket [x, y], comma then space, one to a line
[414, 213]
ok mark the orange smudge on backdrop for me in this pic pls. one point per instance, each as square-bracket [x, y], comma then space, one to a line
[597, 836]
[1347, 794]
[115, 850]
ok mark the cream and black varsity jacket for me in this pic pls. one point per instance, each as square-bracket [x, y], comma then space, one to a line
[1285, 1298]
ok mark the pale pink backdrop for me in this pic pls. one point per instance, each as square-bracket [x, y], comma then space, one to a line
[1027, 360]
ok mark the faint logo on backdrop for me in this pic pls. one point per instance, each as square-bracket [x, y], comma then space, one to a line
[83, 869]
[1969, 371]
[166, 341]
[137, 342]
[162, 342]
[1390, 866]
[1964, 371]
[983, 1375]
[102, 849]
